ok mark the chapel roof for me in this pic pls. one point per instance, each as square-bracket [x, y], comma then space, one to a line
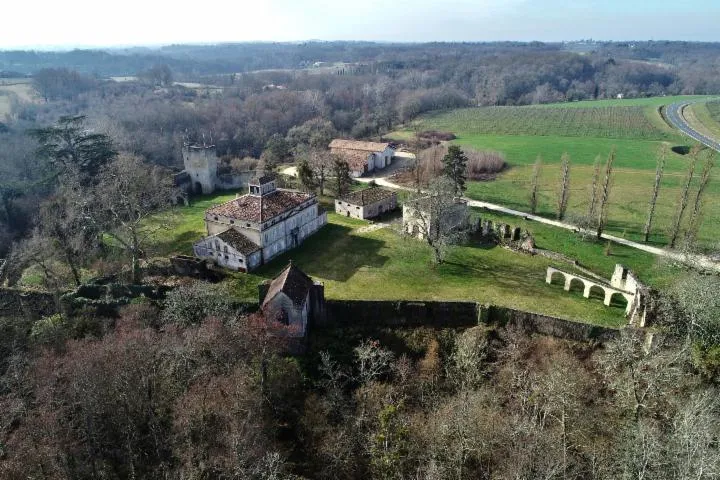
[293, 282]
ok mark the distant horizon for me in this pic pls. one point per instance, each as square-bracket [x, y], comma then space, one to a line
[136, 23]
[155, 46]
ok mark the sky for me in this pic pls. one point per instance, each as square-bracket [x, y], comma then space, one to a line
[97, 23]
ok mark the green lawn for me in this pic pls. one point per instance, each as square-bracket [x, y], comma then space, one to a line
[383, 265]
[633, 127]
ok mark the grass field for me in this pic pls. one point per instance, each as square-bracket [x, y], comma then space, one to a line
[381, 264]
[584, 130]
[17, 88]
[705, 118]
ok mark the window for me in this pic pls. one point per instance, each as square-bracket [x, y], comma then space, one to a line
[232, 221]
[248, 225]
[216, 219]
[226, 257]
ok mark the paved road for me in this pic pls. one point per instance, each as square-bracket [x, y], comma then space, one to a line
[674, 114]
[699, 260]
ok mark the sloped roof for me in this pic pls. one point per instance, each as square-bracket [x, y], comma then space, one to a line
[358, 145]
[293, 282]
[238, 241]
[261, 179]
[260, 209]
[367, 196]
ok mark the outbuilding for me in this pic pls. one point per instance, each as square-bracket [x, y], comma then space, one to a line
[366, 203]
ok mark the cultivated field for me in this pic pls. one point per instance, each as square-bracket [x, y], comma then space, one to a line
[357, 263]
[601, 122]
[634, 128]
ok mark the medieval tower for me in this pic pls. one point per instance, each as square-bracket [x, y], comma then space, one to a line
[201, 165]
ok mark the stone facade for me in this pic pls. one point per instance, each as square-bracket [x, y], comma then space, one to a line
[417, 218]
[366, 203]
[256, 227]
[201, 163]
[292, 299]
[363, 157]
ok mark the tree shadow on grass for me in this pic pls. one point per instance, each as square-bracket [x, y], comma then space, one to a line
[165, 243]
[332, 253]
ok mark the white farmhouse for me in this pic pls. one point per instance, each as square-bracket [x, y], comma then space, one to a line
[363, 157]
[248, 231]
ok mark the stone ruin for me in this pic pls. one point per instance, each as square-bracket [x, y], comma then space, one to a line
[640, 298]
[505, 234]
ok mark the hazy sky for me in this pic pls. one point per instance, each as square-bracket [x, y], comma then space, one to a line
[140, 22]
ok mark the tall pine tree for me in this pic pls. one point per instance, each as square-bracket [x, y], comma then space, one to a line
[455, 168]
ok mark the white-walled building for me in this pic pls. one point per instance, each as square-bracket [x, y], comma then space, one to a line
[366, 203]
[259, 225]
[363, 157]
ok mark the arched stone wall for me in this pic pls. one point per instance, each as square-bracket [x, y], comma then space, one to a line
[589, 286]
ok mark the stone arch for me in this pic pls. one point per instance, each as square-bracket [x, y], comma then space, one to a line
[618, 299]
[576, 284]
[596, 291]
[552, 273]
[197, 188]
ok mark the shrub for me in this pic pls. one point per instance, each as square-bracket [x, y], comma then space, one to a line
[437, 135]
[482, 164]
[246, 164]
[193, 303]
[50, 331]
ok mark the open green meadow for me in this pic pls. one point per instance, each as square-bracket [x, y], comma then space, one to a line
[634, 128]
[358, 263]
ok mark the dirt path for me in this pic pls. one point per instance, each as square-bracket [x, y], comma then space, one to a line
[700, 260]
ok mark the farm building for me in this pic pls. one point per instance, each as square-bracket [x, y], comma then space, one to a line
[292, 298]
[419, 216]
[363, 157]
[366, 203]
[249, 230]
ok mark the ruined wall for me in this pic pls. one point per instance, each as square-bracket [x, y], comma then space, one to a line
[349, 313]
[27, 303]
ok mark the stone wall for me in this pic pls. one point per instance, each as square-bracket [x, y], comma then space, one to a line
[348, 313]
[27, 303]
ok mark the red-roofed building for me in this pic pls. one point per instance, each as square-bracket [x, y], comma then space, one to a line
[363, 157]
[251, 229]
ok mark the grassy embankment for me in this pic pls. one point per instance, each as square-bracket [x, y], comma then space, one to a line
[355, 263]
[584, 130]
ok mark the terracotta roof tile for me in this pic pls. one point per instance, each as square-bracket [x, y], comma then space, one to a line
[238, 241]
[248, 207]
[358, 145]
[367, 196]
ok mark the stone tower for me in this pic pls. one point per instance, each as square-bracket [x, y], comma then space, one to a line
[201, 164]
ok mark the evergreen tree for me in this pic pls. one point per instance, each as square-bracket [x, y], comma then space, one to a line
[306, 176]
[343, 180]
[455, 167]
[70, 146]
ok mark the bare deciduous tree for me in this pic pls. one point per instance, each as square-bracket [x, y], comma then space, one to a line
[659, 170]
[683, 200]
[564, 191]
[605, 195]
[592, 205]
[696, 215]
[127, 193]
[535, 184]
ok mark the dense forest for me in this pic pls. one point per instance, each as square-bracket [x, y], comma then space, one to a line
[192, 389]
